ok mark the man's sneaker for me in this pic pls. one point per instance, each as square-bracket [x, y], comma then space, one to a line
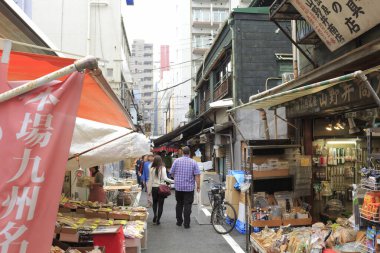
[188, 226]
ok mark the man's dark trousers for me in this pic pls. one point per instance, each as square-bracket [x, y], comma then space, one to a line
[183, 208]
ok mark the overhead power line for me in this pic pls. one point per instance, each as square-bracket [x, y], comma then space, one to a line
[171, 87]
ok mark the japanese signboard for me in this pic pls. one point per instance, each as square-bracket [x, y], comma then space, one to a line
[342, 95]
[339, 21]
[35, 136]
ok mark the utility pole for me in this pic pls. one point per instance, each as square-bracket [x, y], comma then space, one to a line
[155, 130]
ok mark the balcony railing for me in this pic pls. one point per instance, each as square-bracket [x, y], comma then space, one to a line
[224, 88]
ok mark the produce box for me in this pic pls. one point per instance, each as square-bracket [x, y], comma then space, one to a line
[68, 237]
[270, 173]
[132, 245]
[84, 249]
[298, 222]
[266, 223]
[95, 214]
[119, 216]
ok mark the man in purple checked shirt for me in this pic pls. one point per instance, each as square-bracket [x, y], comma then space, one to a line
[185, 172]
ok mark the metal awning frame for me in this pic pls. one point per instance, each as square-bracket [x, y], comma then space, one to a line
[289, 95]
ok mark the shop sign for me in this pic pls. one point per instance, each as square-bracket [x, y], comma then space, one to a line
[352, 93]
[37, 129]
[339, 21]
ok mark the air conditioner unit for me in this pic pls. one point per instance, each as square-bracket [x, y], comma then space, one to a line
[286, 77]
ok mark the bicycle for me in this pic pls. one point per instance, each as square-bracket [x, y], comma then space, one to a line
[219, 219]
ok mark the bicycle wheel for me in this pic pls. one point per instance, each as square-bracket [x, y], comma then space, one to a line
[219, 220]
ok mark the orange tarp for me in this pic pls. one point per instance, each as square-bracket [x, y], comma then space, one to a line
[94, 105]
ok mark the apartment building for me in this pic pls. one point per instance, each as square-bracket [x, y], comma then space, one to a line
[142, 71]
[207, 16]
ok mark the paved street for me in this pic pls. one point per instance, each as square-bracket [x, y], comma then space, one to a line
[169, 238]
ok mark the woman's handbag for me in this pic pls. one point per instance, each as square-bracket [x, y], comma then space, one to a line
[163, 189]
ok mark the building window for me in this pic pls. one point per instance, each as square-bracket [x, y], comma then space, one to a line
[109, 72]
[201, 41]
[201, 15]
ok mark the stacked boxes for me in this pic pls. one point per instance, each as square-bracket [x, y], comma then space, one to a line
[232, 195]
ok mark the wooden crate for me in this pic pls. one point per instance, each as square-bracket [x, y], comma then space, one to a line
[298, 222]
[270, 173]
[85, 249]
[268, 223]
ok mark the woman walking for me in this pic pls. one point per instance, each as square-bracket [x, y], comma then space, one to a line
[157, 177]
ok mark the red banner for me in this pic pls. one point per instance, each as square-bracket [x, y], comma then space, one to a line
[35, 136]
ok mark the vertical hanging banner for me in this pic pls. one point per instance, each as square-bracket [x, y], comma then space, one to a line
[339, 21]
[35, 136]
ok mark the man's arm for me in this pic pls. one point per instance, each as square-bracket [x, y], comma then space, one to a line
[197, 174]
[172, 170]
[198, 180]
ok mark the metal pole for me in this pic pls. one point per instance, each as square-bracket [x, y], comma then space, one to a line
[88, 62]
[98, 146]
[295, 44]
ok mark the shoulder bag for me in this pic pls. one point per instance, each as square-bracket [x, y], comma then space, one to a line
[163, 189]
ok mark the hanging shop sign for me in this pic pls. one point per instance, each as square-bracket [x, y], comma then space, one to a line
[37, 129]
[339, 21]
[347, 94]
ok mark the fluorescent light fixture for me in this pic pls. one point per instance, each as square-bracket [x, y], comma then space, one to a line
[341, 142]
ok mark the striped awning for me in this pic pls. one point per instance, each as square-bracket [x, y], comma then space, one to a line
[283, 97]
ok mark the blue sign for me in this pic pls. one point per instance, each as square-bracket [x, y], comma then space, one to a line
[129, 2]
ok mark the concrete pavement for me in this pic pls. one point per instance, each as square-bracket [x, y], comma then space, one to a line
[169, 238]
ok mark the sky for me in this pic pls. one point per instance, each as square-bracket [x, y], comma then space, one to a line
[151, 20]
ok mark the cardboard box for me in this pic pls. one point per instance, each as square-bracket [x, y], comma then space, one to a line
[65, 237]
[298, 222]
[232, 197]
[144, 240]
[229, 211]
[64, 210]
[95, 214]
[119, 216]
[270, 173]
[132, 245]
[268, 223]
[68, 230]
[230, 182]
[85, 249]
[242, 198]
[197, 159]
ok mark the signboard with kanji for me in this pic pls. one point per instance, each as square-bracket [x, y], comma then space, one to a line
[35, 136]
[339, 21]
[347, 94]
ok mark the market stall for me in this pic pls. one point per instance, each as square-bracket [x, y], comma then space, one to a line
[103, 132]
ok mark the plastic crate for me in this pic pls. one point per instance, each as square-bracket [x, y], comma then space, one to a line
[229, 221]
[241, 227]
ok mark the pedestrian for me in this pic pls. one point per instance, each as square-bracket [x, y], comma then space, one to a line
[97, 193]
[138, 168]
[185, 172]
[145, 170]
[168, 161]
[157, 176]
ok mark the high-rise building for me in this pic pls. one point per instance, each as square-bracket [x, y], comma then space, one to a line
[26, 6]
[98, 29]
[142, 71]
[164, 60]
[206, 18]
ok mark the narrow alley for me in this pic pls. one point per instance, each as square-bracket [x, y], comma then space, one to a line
[169, 238]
